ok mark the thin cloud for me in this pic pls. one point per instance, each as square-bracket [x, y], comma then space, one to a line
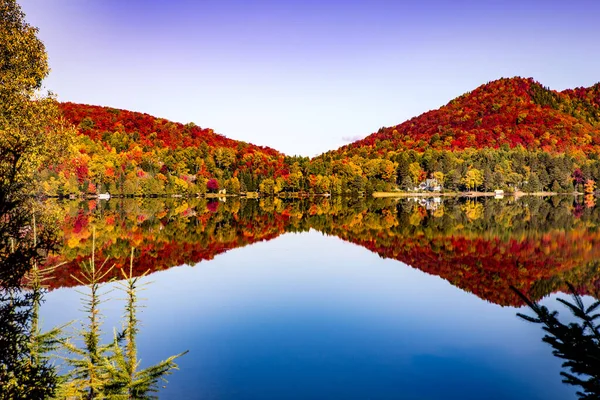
[352, 138]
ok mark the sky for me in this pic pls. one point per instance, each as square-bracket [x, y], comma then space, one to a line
[306, 76]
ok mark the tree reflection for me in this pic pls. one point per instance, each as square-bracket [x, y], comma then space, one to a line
[578, 342]
[481, 246]
[24, 374]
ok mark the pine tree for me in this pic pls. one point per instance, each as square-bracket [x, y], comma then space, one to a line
[578, 343]
[89, 371]
[127, 381]
[26, 371]
[111, 371]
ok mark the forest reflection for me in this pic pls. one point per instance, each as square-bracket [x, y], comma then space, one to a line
[483, 246]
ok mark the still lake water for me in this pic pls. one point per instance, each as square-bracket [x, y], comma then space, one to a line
[340, 298]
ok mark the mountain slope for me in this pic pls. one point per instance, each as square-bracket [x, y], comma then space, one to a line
[98, 123]
[505, 112]
[131, 153]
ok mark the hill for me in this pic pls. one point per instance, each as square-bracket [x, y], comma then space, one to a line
[132, 153]
[511, 134]
[506, 112]
[102, 124]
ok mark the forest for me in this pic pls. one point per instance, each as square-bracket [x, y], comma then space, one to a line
[510, 134]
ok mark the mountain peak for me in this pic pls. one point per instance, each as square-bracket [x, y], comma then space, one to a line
[505, 112]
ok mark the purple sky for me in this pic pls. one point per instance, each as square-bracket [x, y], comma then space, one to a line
[305, 76]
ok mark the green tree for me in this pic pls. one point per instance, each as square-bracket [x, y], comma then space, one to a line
[577, 343]
[110, 371]
[127, 381]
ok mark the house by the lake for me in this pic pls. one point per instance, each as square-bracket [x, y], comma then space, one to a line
[429, 185]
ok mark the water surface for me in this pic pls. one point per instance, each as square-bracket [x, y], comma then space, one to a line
[296, 300]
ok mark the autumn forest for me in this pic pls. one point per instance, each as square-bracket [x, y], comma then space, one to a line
[510, 134]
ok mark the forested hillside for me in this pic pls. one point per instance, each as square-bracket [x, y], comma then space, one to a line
[501, 114]
[131, 153]
[511, 134]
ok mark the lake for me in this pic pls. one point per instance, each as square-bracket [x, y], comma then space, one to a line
[338, 298]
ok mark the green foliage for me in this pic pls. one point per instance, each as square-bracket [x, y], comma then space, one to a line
[110, 371]
[88, 374]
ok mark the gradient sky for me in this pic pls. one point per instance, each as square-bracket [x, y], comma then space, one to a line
[307, 76]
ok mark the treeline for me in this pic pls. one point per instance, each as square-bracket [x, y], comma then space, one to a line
[147, 160]
[507, 169]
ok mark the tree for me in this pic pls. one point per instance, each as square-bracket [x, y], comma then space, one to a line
[439, 176]
[212, 185]
[407, 183]
[578, 178]
[99, 370]
[267, 186]
[31, 135]
[590, 186]
[126, 380]
[577, 343]
[31, 130]
[473, 179]
[533, 184]
[556, 187]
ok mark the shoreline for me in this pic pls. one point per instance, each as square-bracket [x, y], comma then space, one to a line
[470, 194]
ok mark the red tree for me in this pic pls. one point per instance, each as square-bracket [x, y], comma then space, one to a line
[212, 185]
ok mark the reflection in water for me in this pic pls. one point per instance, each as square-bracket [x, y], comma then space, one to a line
[260, 320]
[578, 343]
[481, 246]
[25, 373]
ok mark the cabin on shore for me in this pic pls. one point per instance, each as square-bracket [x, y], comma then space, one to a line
[429, 185]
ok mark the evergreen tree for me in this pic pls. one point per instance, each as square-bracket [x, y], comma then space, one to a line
[110, 371]
[127, 381]
[578, 343]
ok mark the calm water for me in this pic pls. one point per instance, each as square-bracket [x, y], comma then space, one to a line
[344, 299]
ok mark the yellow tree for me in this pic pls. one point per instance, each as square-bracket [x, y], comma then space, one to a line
[32, 132]
[31, 135]
[439, 176]
[590, 186]
[473, 179]
[416, 172]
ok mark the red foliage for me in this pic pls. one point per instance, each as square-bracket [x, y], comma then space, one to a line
[508, 112]
[94, 121]
[212, 185]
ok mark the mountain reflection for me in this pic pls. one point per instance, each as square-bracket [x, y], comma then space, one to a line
[482, 246]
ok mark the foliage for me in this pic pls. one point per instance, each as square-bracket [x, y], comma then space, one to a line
[517, 134]
[31, 135]
[110, 370]
[507, 112]
[127, 381]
